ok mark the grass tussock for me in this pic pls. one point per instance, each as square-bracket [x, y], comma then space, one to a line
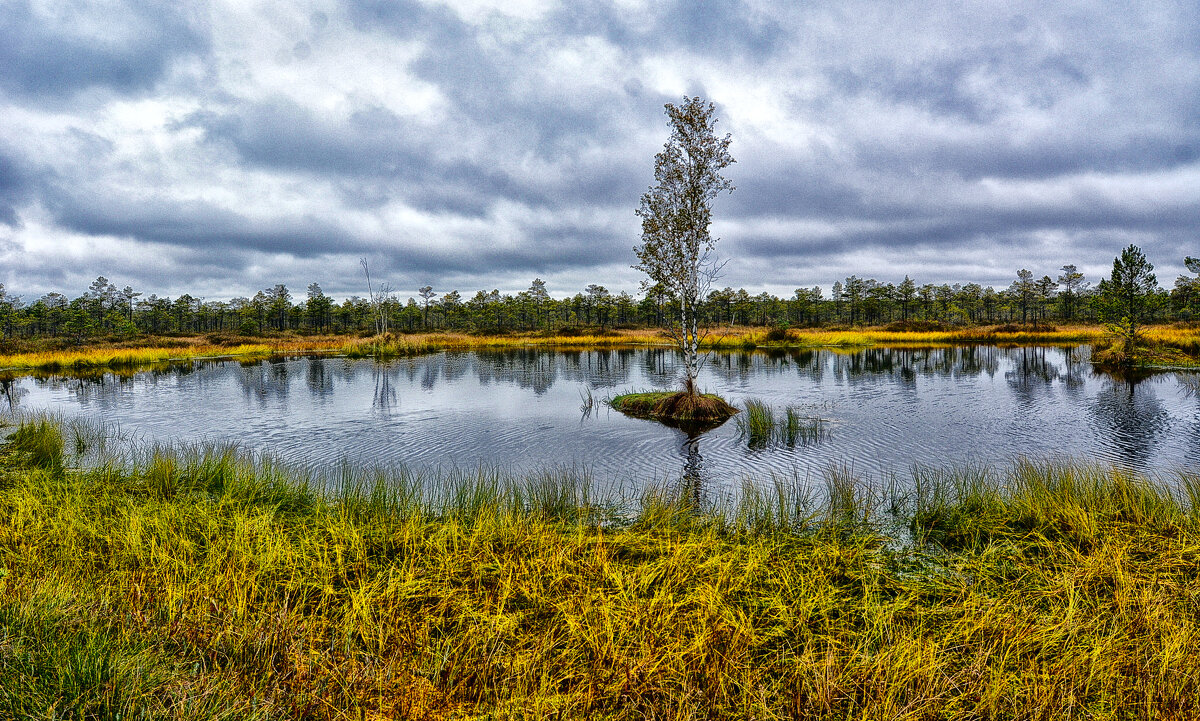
[1156, 348]
[674, 405]
[198, 583]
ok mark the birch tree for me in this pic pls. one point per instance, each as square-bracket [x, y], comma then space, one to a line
[677, 249]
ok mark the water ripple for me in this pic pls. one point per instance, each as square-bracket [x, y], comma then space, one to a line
[884, 410]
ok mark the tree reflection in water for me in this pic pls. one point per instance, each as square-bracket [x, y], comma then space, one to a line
[693, 466]
[1131, 417]
[385, 399]
[892, 407]
[1190, 382]
[11, 391]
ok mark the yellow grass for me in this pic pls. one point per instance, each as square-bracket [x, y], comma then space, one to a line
[110, 357]
[585, 340]
[205, 584]
[89, 358]
[1186, 340]
[745, 337]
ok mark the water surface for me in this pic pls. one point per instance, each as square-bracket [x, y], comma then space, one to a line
[884, 410]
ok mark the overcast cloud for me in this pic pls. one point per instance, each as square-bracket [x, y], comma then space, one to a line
[218, 148]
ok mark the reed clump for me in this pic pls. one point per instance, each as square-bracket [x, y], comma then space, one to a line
[390, 345]
[203, 582]
[761, 425]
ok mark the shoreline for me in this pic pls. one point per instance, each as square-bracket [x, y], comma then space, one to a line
[152, 350]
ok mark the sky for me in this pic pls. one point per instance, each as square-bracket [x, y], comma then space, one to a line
[219, 148]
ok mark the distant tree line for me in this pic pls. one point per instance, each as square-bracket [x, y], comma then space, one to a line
[1065, 297]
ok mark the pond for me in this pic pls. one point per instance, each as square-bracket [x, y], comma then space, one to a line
[880, 409]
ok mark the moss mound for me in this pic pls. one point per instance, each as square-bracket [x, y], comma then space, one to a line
[679, 406]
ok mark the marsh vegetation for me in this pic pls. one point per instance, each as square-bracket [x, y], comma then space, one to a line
[760, 425]
[199, 582]
[143, 575]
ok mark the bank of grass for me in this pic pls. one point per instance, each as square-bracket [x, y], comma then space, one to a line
[145, 352]
[204, 583]
[1171, 345]
[117, 357]
[818, 338]
[1157, 347]
[389, 345]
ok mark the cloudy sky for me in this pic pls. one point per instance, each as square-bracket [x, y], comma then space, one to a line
[221, 147]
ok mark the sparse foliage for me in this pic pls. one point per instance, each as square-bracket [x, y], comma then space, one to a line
[677, 248]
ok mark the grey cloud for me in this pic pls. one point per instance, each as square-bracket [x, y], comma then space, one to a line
[949, 229]
[1058, 152]
[976, 86]
[381, 156]
[279, 133]
[200, 225]
[721, 27]
[796, 186]
[14, 189]
[490, 85]
[899, 114]
[724, 28]
[403, 18]
[127, 49]
[374, 148]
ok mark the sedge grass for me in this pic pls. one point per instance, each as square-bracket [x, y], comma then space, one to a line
[389, 345]
[1183, 339]
[201, 582]
[761, 425]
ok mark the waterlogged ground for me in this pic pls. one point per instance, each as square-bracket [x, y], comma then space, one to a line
[883, 410]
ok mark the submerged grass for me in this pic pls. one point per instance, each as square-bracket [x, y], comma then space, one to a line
[202, 582]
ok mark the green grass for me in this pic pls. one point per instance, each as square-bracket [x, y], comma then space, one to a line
[203, 582]
[761, 426]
